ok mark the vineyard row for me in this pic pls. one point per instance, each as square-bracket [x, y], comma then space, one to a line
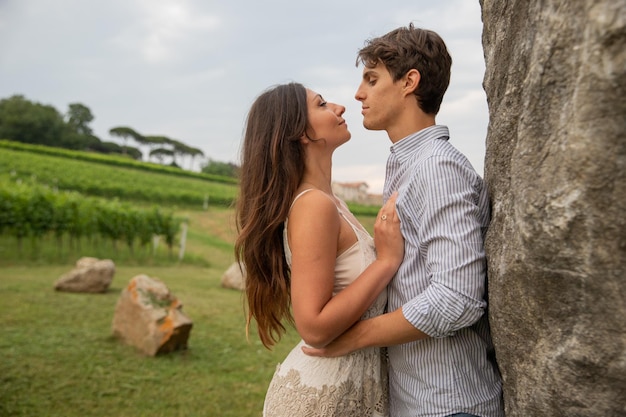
[36, 211]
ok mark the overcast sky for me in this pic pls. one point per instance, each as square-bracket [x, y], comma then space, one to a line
[190, 69]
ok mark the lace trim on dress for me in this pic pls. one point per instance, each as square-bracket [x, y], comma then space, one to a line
[346, 399]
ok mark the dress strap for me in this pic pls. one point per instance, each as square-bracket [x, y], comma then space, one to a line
[312, 189]
[299, 195]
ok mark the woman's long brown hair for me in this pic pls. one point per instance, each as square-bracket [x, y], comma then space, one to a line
[272, 166]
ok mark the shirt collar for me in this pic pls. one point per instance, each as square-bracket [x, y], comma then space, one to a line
[412, 143]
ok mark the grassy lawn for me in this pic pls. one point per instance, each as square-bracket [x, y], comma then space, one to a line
[58, 357]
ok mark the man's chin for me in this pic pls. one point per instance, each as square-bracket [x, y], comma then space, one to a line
[371, 126]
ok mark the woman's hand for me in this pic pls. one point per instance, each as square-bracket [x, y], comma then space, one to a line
[343, 345]
[387, 236]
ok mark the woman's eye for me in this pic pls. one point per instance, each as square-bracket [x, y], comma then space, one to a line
[323, 104]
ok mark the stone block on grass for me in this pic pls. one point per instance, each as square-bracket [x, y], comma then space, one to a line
[149, 317]
[234, 278]
[90, 275]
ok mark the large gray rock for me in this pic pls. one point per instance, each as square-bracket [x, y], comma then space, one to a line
[90, 275]
[149, 317]
[556, 167]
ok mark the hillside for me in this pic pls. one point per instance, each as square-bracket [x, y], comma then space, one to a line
[113, 177]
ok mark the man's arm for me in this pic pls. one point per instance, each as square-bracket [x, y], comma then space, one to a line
[385, 330]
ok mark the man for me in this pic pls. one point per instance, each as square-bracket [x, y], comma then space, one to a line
[441, 360]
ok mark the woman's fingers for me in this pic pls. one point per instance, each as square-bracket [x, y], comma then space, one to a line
[388, 210]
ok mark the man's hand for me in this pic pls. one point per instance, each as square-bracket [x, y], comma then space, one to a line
[385, 330]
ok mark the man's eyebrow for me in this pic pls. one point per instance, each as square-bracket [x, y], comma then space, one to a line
[368, 73]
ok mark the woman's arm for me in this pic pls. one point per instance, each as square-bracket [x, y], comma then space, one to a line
[388, 329]
[314, 225]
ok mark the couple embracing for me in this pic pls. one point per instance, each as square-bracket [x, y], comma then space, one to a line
[391, 325]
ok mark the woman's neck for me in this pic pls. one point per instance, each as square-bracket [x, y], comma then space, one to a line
[318, 173]
[318, 184]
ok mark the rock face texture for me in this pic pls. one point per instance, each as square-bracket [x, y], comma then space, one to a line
[90, 275]
[556, 168]
[148, 317]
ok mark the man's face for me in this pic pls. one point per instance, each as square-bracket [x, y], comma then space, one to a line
[381, 98]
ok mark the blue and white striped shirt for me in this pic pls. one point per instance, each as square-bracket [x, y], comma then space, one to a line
[444, 212]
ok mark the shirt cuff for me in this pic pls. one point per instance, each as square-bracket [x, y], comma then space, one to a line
[441, 312]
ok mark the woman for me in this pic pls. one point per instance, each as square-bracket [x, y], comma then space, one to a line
[308, 260]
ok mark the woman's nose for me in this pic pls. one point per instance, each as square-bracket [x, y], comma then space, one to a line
[339, 109]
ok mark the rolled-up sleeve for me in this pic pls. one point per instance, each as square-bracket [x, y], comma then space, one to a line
[447, 237]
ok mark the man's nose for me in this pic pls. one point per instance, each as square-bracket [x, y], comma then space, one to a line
[358, 95]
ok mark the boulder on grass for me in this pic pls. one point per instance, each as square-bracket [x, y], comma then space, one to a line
[150, 318]
[234, 278]
[90, 275]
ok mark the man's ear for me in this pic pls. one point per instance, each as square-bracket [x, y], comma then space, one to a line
[411, 81]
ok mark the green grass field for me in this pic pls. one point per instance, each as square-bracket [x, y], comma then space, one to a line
[59, 358]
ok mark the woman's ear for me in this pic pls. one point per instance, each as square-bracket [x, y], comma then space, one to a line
[411, 81]
[305, 139]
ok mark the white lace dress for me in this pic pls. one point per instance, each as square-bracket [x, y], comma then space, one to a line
[352, 385]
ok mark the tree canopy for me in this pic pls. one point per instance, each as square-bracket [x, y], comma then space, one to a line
[26, 121]
[78, 118]
[226, 169]
[22, 120]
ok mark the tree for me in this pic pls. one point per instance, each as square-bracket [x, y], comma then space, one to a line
[22, 120]
[153, 141]
[78, 118]
[194, 152]
[226, 169]
[77, 141]
[115, 148]
[125, 133]
[178, 148]
[78, 133]
[160, 153]
[182, 149]
[132, 152]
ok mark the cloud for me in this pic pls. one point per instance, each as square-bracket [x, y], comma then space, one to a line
[163, 31]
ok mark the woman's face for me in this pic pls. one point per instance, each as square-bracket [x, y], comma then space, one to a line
[325, 121]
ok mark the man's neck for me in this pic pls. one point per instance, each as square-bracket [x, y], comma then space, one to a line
[410, 125]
